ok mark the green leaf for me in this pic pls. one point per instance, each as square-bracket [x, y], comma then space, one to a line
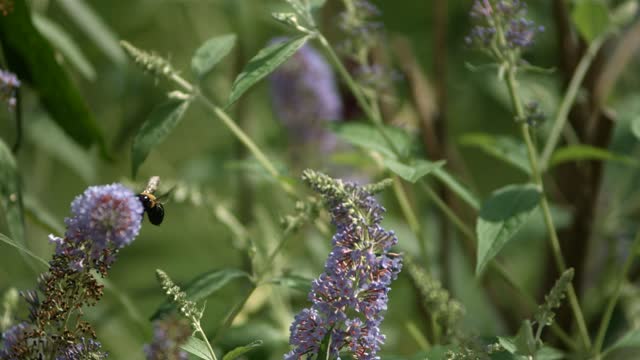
[414, 172]
[156, 128]
[503, 148]
[37, 213]
[591, 17]
[630, 340]
[549, 353]
[501, 216]
[366, 135]
[624, 13]
[458, 188]
[5, 239]
[48, 137]
[241, 350]
[197, 347]
[210, 53]
[586, 152]
[296, 282]
[525, 341]
[93, 26]
[261, 65]
[59, 38]
[31, 57]
[635, 127]
[10, 194]
[203, 286]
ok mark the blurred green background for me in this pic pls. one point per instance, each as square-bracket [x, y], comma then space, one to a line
[213, 173]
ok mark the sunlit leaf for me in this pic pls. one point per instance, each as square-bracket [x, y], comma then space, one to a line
[586, 152]
[265, 62]
[31, 57]
[366, 135]
[292, 281]
[414, 172]
[198, 348]
[210, 53]
[591, 17]
[241, 350]
[155, 129]
[10, 196]
[501, 216]
[203, 286]
[93, 27]
[503, 148]
[59, 38]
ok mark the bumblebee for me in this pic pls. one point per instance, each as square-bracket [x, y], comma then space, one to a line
[152, 206]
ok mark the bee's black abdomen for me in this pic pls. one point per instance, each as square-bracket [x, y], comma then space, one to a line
[156, 214]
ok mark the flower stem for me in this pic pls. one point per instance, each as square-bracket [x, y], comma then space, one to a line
[568, 100]
[412, 220]
[536, 176]
[606, 318]
[196, 324]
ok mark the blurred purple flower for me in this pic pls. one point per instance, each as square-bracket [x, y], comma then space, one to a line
[350, 296]
[84, 349]
[168, 335]
[305, 94]
[104, 219]
[506, 17]
[9, 85]
[12, 340]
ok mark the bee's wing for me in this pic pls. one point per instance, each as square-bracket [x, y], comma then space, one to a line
[165, 196]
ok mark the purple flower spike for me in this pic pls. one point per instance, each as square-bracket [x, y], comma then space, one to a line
[350, 296]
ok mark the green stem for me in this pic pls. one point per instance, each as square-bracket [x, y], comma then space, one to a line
[198, 327]
[357, 93]
[238, 132]
[412, 220]
[546, 211]
[569, 99]
[606, 318]
[496, 267]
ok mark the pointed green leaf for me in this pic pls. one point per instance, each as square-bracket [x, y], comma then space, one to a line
[39, 214]
[156, 128]
[549, 353]
[525, 341]
[203, 286]
[501, 216]
[210, 53]
[503, 148]
[414, 172]
[591, 17]
[59, 38]
[630, 340]
[635, 127]
[265, 62]
[292, 281]
[241, 350]
[456, 187]
[586, 152]
[5, 239]
[366, 135]
[197, 347]
[31, 57]
[10, 195]
[44, 134]
[93, 26]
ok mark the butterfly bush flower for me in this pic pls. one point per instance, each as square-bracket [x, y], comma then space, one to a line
[502, 28]
[349, 298]
[104, 220]
[9, 85]
[305, 95]
[168, 335]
